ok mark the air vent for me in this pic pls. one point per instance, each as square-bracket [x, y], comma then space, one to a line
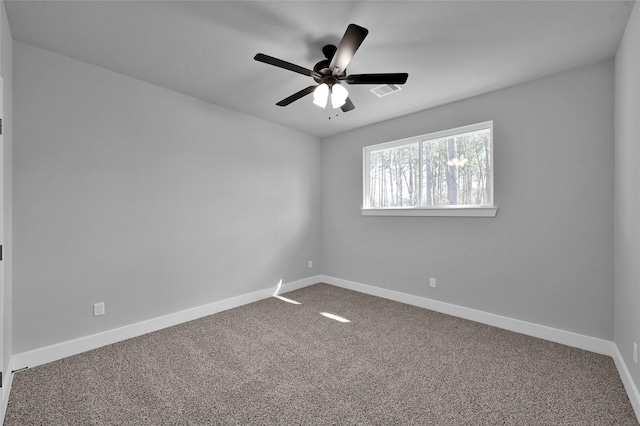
[385, 89]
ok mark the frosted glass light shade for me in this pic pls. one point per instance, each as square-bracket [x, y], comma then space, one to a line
[321, 95]
[338, 95]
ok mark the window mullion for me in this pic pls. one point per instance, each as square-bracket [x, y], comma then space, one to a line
[420, 168]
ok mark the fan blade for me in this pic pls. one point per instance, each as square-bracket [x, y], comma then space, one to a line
[352, 39]
[397, 78]
[348, 105]
[261, 57]
[296, 96]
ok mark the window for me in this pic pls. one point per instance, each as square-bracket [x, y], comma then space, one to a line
[448, 173]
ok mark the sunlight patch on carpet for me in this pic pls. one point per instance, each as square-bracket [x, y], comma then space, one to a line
[284, 299]
[334, 317]
[287, 300]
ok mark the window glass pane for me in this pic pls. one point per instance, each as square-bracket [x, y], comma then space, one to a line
[394, 175]
[456, 170]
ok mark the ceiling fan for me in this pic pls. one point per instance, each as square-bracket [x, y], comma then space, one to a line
[330, 73]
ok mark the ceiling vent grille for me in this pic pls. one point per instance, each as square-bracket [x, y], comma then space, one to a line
[385, 89]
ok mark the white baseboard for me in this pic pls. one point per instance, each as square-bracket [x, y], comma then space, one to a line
[629, 385]
[7, 381]
[580, 341]
[568, 338]
[72, 347]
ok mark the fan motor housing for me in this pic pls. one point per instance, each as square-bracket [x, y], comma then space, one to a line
[323, 69]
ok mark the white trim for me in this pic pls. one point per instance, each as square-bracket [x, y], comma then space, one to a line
[593, 344]
[454, 211]
[76, 346]
[627, 381]
[7, 381]
[580, 341]
[57, 351]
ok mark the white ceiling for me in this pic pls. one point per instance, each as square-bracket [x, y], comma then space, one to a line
[451, 49]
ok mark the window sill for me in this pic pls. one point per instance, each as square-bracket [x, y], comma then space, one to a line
[434, 211]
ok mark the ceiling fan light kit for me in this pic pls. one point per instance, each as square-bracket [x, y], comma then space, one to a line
[329, 73]
[339, 95]
[321, 95]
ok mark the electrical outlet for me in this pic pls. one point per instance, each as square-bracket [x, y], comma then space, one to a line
[432, 282]
[310, 264]
[98, 309]
[635, 352]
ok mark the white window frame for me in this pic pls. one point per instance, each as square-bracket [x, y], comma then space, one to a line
[472, 210]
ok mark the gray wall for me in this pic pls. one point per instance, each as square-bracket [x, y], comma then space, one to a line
[548, 255]
[627, 190]
[155, 202]
[148, 200]
[6, 68]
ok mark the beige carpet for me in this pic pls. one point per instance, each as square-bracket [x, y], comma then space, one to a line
[273, 362]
